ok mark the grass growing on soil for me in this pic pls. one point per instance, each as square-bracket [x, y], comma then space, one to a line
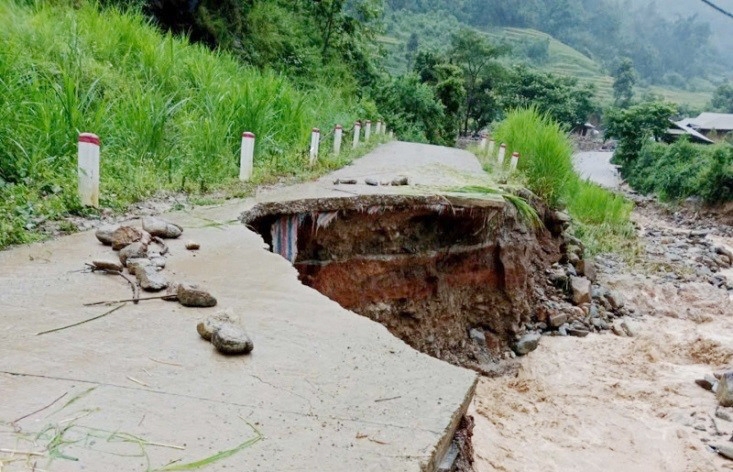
[169, 114]
[601, 217]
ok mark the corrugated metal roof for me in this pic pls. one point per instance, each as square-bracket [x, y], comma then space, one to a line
[710, 121]
[681, 127]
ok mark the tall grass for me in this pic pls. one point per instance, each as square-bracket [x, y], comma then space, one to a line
[170, 114]
[546, 167]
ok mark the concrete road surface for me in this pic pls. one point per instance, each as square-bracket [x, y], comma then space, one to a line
[597, 167]
[324, 389]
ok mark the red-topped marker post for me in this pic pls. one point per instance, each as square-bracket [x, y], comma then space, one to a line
[514, 161]
[367, 130]
[357, 131]
[315, 142]
[502, 154]
[338, 133]
[88, 168]
[246, 158]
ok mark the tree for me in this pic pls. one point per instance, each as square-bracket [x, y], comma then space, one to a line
[635, 125]
[477, 57]
[411, 49]
[562, 98]
[722, 100]
[624, 79]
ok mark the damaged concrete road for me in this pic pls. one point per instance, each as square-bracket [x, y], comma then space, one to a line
[324, 389]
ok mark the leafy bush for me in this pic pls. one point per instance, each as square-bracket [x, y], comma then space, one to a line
[682, 169]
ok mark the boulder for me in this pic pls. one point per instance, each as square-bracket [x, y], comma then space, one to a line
[724, 392]
[231, 339]
[161, 228]
[194, 296]
[104, 234]
[477, 335]
[398, 181]
[150, 279]
[580, 290]
[372, 182]
[558, 319]
[136, 250]
[527, 343]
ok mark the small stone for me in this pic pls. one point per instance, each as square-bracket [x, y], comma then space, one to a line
[724, 393]
[104, 264]
[158, 262]
[345, 181]
[704, 383]
[558, 319]
[372, 182]
[192, 245]
[104, 234]
[400, 181]
[150, 279]
[171, 293]
[527, 343]
[618, 330]
[210, 325]
[124, 236]
[628, 328]
[133, 265]
[563, 330]
[231, 339]
[135, 250]
[578, 332]
[161, 228]
[615, 299]
[478, 336]
[194, 296]
[580, 287]
[558, 278]
[723, 414]
[725, 450]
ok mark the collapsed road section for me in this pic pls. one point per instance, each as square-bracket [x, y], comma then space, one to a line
[454, 268]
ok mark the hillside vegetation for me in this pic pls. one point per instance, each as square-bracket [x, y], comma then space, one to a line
[537, 49]
[169, 114]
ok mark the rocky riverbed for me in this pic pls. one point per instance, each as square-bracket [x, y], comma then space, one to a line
[625, 401]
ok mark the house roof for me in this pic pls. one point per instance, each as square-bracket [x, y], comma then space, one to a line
[682, 127]
[710, 121]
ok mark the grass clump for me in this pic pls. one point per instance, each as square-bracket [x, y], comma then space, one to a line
[169, 114]
[546, 168]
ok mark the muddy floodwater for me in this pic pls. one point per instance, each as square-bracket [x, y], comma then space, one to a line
[610, 403]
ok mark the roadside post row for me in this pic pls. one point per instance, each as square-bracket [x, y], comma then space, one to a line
[89, 144]
[502, 152]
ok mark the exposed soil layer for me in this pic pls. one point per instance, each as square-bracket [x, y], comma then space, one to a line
[429, 268]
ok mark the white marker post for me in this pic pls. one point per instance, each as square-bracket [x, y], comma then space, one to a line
[502, 154]
[357, 130]
[88, 168]
[367, 130]
[482, 144]
[337, 135]
[246, 157]
[391, 135]
[514, 162]
[379, 127]
[492, 145]
[315, 141]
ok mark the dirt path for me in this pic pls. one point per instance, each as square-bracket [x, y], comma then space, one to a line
[617, 403]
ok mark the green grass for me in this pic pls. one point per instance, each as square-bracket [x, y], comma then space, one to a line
[601, 218]
[169, 114]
